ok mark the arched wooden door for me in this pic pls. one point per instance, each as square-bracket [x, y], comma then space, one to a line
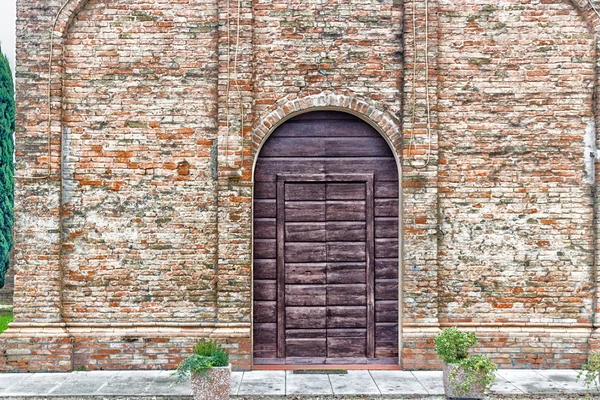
[325, 244]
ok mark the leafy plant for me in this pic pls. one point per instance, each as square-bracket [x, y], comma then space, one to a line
[5, 319]
[478, 371]
[591, 370]
[206, 354]
[452, 347]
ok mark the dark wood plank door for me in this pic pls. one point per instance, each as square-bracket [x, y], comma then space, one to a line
[325, 267]
[325, 244]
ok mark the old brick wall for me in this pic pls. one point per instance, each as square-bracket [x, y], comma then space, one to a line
[515, 102]
[515, 241]
[6, 292]
[139, 207]
[140, 242]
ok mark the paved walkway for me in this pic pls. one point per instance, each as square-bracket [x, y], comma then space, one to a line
[557, 384]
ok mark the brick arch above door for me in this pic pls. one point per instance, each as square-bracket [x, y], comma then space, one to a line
[290, 106]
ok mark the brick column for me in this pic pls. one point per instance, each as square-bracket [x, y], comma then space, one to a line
[234, 276]
[420, 179]
[37, 329]
[594, 341]
[420, 189]
[37, 201]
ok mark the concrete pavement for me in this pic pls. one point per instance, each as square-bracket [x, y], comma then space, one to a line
[515, 384]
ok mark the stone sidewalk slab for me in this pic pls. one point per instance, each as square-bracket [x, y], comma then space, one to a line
[431, 381]
[529, 381]
[354, 383]
[265, 385]
[296, 384]
[398, 382]
[37, 384]
[82, 383]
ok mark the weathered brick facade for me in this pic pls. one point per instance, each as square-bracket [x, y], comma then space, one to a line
[133, 216]
[6, 292]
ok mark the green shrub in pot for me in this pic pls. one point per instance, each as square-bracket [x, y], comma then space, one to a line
[465, 376]
[209, 369]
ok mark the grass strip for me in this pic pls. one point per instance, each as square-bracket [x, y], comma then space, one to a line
[5, 319]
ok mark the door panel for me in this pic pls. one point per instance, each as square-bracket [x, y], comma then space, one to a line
[346, 191]
[346, 317]
[343, 251]
[306, 273]
[304, 191]
[305, 317]
[305, 295]
[346, 231]
[304, 211]
[351, 295]
[299, 252]
[346, 210]
[305, 232]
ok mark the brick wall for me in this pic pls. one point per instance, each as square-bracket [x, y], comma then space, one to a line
[6, 292]
[138, 241]
[139, 202]
[515, 102]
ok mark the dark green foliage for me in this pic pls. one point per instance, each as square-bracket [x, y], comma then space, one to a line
[7, 127]
[210, 349]
[207, 354]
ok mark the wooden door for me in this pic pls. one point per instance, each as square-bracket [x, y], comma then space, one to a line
[326, 244]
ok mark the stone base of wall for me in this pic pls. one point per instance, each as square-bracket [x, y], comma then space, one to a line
[43, 348]
[509, 347]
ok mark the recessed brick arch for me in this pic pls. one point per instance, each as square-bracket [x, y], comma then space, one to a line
[67, 14]
[286, 108]
[587, 12]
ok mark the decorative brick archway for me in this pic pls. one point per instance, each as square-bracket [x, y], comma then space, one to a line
[286, 108]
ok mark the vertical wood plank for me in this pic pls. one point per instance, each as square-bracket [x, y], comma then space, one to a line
[370, 269]
[280, 267]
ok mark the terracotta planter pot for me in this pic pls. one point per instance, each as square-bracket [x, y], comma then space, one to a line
[214, 385]
[476, 391]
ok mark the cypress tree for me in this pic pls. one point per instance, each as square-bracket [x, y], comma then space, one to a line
[7, 127]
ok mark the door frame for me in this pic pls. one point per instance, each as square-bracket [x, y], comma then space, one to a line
[386, 126]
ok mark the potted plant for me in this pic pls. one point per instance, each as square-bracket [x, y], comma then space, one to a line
[591, 370]
[209, 369]
[465, 376]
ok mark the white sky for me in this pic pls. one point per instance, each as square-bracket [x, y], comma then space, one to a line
[7, 29]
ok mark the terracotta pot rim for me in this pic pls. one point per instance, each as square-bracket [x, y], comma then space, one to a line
[227, 367]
